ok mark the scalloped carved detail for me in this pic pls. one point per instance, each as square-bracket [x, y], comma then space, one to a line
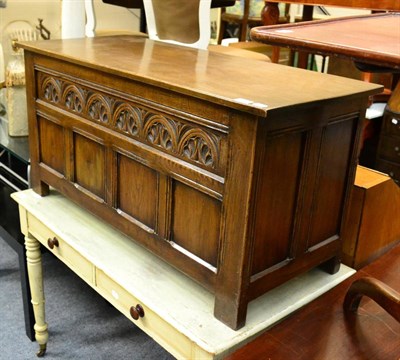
[51, 90]
[98, 108]
[128, 119]
[178, 138]
[160, 132]
[200, 147]
[73, 98]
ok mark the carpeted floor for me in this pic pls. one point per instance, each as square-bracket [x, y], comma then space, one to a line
[82, 325]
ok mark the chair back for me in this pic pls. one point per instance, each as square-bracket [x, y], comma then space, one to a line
[181, 22]
[77, 19]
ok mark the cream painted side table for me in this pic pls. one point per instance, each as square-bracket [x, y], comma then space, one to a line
[170, 307]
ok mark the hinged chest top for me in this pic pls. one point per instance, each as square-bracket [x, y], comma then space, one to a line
[219, 78]
[235, 171]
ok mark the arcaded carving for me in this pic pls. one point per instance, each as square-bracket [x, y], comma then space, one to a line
[198, 146]
[73, 98]
[51, 90]
[98, 108]
[176, 137]
[160, 132]
[128, 119]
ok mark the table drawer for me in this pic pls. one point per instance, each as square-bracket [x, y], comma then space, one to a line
[151, 322]
[389, 148]
[62, 250]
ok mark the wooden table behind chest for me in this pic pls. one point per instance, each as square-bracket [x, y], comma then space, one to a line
[238, 195]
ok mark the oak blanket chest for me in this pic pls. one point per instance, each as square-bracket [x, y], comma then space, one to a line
[235, 171]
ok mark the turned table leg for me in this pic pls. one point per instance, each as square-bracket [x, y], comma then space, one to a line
[270, 16]
[270, 13]
[34, 261]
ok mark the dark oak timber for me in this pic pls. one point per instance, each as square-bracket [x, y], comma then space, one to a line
[365, 39]
[219, 165]
[270, 12]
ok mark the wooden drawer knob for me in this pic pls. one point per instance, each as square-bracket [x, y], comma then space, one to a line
[136, 311]
[52, 242]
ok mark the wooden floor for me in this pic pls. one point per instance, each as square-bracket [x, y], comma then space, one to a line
[321, 331]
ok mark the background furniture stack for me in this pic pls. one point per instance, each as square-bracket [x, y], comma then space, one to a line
[245, 15]
[388, 156]
[371, 227]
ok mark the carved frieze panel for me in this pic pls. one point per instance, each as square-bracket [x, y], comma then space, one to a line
[167, 133]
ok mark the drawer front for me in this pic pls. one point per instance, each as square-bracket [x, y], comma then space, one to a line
[63, 251]
[392, 124]
[393, 170]
[151, 323]
[389, 148]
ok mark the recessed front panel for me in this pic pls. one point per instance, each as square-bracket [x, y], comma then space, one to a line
[89, 160]
[196, 222]
[137, 190]
[51, 144]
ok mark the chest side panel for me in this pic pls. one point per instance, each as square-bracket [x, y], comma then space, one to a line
[305, 168]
